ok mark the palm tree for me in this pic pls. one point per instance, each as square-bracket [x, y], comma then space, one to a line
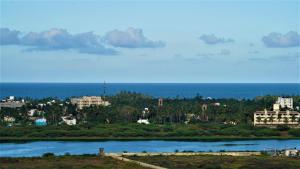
[279, 117]
[271, 118]
[293, 118]
[286, 120]
[258, 119]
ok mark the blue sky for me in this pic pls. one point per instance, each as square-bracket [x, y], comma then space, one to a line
[150, 41]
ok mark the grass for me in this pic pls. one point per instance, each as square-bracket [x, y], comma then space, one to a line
[64, 162]
[171, 162]
[221, 162]
[204, 132]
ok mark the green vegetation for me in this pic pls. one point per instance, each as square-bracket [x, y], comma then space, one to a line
[59, 162]
[220, 162]
[200, 131]
[229, 119]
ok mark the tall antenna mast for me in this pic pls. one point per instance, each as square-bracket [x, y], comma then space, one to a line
[104, 88]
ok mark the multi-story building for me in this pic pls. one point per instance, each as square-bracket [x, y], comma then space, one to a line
[267, 118]
[87, 101]
[285, 102]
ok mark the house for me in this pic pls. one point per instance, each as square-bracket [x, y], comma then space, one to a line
[9, 119]
[12, 104]
[40, 122]
[143, 121]
[11, 98]
[31, 112]
[216, 104]
[145, 111]
[291, 152]
[69, 120]
[230, 122]
[87, 101]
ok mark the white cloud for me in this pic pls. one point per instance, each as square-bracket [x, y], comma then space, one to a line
[131, 38]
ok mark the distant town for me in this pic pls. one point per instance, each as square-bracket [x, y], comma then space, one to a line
[72, 112]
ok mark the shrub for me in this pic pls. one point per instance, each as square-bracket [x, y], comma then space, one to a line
[48, 155]
[212, 166]
[295, 132]
[283, 127]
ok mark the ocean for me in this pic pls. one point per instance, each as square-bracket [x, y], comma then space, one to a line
[166, 90]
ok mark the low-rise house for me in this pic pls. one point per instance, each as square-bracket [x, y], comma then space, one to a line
[230, 122]
[12, 104]
[291, 152]
[87, 101]
[216, 104]
[41, 105]
[191, 116]
[69, 120]
[31, 112]
[9, 119]
[143, 121]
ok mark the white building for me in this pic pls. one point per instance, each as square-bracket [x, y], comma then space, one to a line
[269, 118]
[143, 121]
[9, 119]
[291, 152]
[31, 112]
[285, 102]
[87, 101]
[11, 98]
[69, 120]
[276, 107]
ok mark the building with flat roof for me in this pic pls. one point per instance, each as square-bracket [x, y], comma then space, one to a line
[269, 118]
[12, 104]
[285, 102]
[87, 101]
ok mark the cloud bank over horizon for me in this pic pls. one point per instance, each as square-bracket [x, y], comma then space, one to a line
[87, 42]
[278, 40]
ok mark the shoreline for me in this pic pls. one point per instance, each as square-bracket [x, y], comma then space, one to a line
[95, 139]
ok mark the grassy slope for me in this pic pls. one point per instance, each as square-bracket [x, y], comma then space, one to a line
[220, 162]
[74, 162]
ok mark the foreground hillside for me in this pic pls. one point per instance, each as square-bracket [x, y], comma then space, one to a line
[221, 162]
[74, 162]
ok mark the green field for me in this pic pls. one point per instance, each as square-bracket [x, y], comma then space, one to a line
[221, 162]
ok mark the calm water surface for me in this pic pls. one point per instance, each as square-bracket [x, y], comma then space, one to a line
[61, 147]
[215, 90]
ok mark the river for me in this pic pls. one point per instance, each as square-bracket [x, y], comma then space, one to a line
[37, 148]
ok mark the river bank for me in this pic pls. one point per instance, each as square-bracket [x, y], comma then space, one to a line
[92, 139]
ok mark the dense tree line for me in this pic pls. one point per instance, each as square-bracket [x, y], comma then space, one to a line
[127, 107]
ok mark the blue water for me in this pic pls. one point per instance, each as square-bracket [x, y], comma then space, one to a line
[62, 147]
[215, 90]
